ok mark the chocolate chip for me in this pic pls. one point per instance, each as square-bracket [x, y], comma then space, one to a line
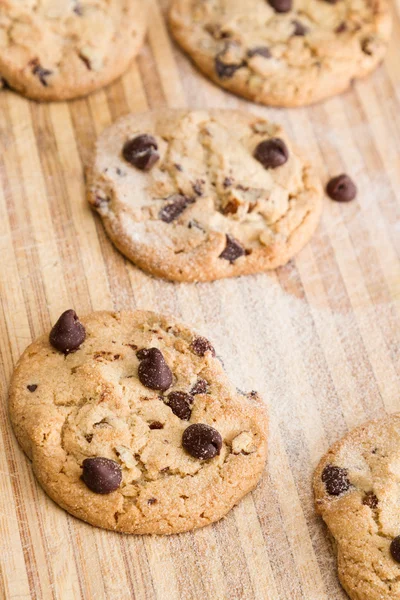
[202, 441]
[78, 8]
[151, 501]
[223, 69]
[259, 51]
[32, 388]
[198, 187]
[200, 387]
[272, 153]
[341, 189]
[68, 333]
[335, 479]
[341, 28]
[174, 208]
[40, 72]
[299, 29]
[154, 372]
[101, 475]
[86, 61]
[367, 46]
[227, 182]
[156, 425]
[395, 549]
[281, 6]
[179, 403]
[233, 250]
[370, 500]
[201, 345]
[141, 152]
[143, 353]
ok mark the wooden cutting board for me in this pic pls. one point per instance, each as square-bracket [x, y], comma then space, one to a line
[320, 338]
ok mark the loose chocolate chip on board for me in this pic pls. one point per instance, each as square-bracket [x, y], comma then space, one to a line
[272, 153]
[335, 479]
[281, 6]
[179, 403]
[200, 387]
[202, 441]
[174, 208]
[341, 188]
[32, 388]
[68, 333]
[299, 29]
[101, 475]
[141, 152]
[370, 500]
[395, 549]
[153, 372]
[233, 250]
[259, 51]
[201, 345]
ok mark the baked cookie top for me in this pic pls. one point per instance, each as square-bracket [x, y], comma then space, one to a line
[60, 49]
[131, 423]
[200, 195]
[283, 52]
[357, 486]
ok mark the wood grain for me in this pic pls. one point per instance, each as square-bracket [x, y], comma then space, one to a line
[319, 338]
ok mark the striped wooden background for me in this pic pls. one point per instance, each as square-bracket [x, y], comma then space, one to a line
[320, 338]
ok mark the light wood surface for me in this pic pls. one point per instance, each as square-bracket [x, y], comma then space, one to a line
[320, 338]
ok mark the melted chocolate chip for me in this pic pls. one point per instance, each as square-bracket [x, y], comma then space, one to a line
[156, 425]
[179, 403]
[68, 333]
[281, 6]
[395, 549]
[201, 345]
[202, 441]
[341, 188]
[174, 208]
[259, 51]
[101, 475]
[335, 479]
[370, 500]
[200, 387]
[141, 152]
[40, 72]
[153, 372]
[32, 388]
[272, 153]
[299, 29]
[233, 250]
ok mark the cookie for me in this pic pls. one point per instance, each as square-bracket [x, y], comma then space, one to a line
[283, 52]
[201, 195]
[62, 49]
[357, 493]
[132, 425]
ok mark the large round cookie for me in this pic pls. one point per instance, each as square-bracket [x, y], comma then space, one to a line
[200, 195]
[283, 52]
[357, 492]
[61, 49]
[138, 411]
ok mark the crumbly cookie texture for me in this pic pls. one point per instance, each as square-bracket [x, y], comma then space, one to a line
[198, 205]
[61, 49]
[356, 489]
[308, 52]
[89, 403]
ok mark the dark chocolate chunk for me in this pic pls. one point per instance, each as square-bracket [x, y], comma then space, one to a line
[154, 372]
[200, 387]
[202, 441]
[233, 250]
[335, 479]
[32, 388]
[370, 500]
[101, 475]
[299, 29]
[141, 152]
[179, 403]
[395, 549]
[201, 345]
[174, 208]
[68, 333]
[156, 425]
[272, 153]
[281, 6]
[341, 188]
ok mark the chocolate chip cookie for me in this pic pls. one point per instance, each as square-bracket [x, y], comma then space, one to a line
[131, 423]
[357, 493]
[201, 195]
[61, 49]
[283, 52]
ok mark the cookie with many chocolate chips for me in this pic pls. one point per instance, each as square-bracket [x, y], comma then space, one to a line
[201, 195]
[283, 52]
[356, 489]
[61, 49]
[134, 430]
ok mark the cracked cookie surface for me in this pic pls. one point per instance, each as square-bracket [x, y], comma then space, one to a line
[356, 489]
[62, 49]
[67, 408]
[201, 195]
[308, 52]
